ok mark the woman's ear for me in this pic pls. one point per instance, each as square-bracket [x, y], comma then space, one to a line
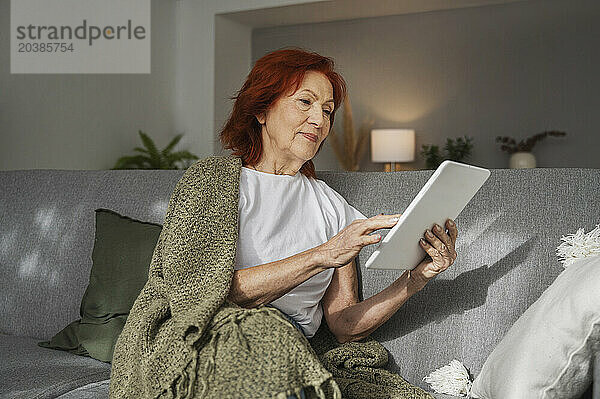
[261, 118]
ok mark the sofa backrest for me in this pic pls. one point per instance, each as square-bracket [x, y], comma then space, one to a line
[47, 225]
[506, 247]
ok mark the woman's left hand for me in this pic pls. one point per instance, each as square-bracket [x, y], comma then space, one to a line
[440, 248]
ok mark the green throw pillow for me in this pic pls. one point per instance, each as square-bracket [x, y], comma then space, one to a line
[123, 249]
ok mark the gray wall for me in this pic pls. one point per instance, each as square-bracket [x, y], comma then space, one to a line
[512, 69]
[232, 63]
[86, 121]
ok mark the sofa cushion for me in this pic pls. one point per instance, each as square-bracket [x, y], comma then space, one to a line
[29, 371]
[550, 350]
[121, 257]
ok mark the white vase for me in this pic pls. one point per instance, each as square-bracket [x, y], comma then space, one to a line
[522, 160]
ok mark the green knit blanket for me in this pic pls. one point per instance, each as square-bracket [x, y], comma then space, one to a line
[183, 339]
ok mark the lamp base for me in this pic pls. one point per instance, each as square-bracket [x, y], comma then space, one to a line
[393, 167]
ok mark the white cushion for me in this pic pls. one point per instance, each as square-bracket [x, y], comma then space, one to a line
[548, 352]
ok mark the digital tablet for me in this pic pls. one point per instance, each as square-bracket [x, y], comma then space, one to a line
[443, 197]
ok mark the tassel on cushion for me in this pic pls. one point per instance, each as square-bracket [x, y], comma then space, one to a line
[452, 379]
[579, 245]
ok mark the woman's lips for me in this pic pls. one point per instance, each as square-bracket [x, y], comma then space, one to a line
[309, 136]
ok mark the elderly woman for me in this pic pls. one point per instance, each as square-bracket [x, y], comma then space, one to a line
[297, 236]
[233, 297]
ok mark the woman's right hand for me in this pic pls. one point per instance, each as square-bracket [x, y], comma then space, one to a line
[345, 245]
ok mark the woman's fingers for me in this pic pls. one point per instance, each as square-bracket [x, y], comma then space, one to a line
[431, 251]
[371, 239]
[446, 239]
[436, 242]
[377, 222]
[453, 232]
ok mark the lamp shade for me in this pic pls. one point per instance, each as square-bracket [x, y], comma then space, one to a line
[392, 145]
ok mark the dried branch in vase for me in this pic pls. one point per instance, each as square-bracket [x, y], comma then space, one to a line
[526, 145]
[351, 152]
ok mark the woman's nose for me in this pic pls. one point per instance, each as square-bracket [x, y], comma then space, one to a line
[316, 117]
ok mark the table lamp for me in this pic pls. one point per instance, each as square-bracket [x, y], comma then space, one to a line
[391, 146]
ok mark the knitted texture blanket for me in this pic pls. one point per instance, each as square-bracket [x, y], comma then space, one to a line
[183, 339]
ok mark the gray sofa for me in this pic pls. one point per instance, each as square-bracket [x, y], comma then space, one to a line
[508, 236]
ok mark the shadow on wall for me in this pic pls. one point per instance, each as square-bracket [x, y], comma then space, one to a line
[419, 311]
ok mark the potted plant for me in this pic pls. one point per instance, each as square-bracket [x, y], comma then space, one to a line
[152, 158]
[454, 151]
[521, 156]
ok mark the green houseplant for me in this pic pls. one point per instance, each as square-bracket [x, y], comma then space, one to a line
[152, 158]
[454, 151]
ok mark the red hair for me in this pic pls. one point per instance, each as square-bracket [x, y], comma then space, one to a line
[272, 76]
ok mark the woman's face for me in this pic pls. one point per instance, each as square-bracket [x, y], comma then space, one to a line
[306, 111]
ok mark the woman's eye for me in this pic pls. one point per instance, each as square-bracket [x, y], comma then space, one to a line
[307, 102]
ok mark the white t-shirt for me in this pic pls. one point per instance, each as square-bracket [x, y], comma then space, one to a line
[282, 215]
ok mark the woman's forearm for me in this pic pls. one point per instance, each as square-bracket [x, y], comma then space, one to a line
[265, 283]
[359, 320]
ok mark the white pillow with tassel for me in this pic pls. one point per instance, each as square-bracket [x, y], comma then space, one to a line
[549, 350]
